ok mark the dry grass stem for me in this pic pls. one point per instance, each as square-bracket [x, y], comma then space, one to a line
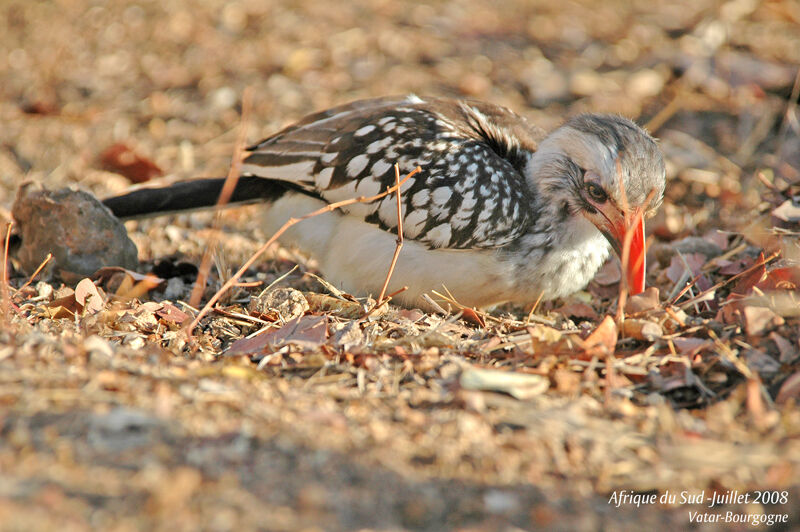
[289, 223]
[224, 197]
[667, 112]
[533, 308]
[399, 245]
[121, 416]
[705, 293]
[36, 272]
[4, 287]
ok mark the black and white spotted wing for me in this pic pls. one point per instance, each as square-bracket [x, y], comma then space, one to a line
[470, 194]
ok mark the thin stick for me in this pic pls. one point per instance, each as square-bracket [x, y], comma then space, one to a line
[47, 259]
[689, 284]
[399, 245]
[289, 223]
[4, 280]
[720, 284]
[398, 291]
[389, 297]
[224, 197]
[666, 113]
[533, 309]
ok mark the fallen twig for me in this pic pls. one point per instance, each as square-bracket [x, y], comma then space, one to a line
[289, 223]
[224, 196]
[704, 293]
[399, 245]
[47, 259]
[4, 279]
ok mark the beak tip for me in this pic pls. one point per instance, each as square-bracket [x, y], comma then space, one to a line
[636, 260]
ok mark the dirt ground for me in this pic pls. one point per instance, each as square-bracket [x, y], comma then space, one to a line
[111, 419]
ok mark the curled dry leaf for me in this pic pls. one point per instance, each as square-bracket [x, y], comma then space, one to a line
[790, 389]
[788, 211]
[470, 316]
[603, 340]
[642, 330]
[647, 300]
[88, 296]
[307, 332]
[758, 320]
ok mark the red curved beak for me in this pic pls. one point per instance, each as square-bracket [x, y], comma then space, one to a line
[619, 230]
[635, 267]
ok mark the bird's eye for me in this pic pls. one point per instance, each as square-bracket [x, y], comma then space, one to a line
[596, 192]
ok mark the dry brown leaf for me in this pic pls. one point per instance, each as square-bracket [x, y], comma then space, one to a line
[647, 300]
[788, 211]
[757, 320]
[691, 346]
[546, 339]
[642, 330]
[603, 340]
[171, 313]
[787, 278]
[746, 283]
[88, 296]
[470, 316]
[256, 345]
[305, 332]
[121, 159]
[609, 274]
[788, 352]
[677, 267]
[578, 309]
[790, 389]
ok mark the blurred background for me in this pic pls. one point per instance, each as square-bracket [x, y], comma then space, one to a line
[99, 95]
[712, 79]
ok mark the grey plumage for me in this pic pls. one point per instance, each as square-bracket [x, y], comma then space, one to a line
[501, 211]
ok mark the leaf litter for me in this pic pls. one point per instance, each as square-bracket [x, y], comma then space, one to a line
[452, 415]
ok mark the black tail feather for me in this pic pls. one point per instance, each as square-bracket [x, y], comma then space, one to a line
[192, 195]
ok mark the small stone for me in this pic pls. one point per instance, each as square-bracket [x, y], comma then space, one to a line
[80, 232]
[175, 289]
[224, 98]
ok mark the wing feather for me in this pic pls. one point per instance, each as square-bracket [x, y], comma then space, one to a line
[471, 192]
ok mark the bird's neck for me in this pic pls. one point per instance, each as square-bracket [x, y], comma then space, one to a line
[557, 260]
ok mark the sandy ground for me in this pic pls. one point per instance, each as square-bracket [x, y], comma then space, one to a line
[110, 421]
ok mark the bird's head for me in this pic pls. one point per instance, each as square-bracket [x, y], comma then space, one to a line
[610, 171]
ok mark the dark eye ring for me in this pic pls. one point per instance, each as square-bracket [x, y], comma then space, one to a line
[596, 192]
